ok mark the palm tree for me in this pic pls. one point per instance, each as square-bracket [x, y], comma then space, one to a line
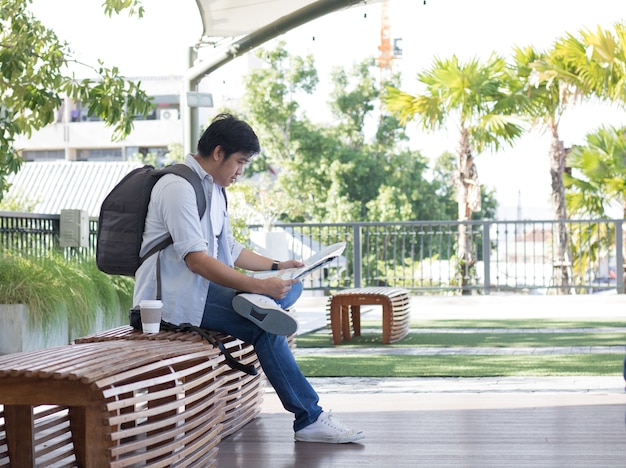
[480, 99]
[599, 61]
[596, 184]
[578, 67]
[551, 87]
[600, 181]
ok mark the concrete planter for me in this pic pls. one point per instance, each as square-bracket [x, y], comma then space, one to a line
[18, 334]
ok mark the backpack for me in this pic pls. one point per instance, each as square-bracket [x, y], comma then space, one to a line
[123, 217]
[134, 318]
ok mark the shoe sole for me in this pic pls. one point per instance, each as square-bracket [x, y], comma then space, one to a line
[345, 440]
[269, 319]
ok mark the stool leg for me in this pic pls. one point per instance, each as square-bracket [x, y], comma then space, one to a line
[90, 436]
[356, 319]
[20, 433]
[345, 322]
[387, 323]
[335, 323]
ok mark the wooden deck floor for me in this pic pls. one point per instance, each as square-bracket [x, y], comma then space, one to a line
[445, 430]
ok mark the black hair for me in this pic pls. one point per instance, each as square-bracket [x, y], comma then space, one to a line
[232, 134]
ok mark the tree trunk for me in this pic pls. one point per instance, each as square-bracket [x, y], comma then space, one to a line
[467, 187]
[562, 267]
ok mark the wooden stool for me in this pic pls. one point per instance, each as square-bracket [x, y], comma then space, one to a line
[346, 305]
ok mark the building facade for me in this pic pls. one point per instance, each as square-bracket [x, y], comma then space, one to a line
[77, 136]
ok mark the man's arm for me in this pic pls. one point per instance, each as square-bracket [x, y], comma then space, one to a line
[215, 271]
[249, 260]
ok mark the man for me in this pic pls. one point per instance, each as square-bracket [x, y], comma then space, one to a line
[200, 285]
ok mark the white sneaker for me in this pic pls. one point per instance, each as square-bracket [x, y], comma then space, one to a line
[328, 430]
[263, 311]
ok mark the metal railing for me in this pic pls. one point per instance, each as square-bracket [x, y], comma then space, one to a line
[531, 257]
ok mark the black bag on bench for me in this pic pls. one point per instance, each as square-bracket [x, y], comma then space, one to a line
[134, 317]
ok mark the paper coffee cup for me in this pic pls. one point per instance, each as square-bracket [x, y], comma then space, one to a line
[151, 312]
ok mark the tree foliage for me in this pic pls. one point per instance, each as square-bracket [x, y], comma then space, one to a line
[356, 169]
[598, 174]
[34, 79]
[271, 99]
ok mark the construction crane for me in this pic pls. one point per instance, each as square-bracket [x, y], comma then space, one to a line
[388, 49]
[385, 56]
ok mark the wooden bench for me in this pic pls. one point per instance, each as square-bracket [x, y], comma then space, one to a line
[122, 398]
[345, 306]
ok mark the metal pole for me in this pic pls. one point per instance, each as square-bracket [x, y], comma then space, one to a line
[486, 257]
[619, 256]
[357, 255]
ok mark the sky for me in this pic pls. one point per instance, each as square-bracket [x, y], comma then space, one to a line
[158, 44]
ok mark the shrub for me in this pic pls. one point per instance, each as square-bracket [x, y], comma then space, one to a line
[56, 290]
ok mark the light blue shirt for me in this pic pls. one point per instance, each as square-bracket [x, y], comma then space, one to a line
[173, 209]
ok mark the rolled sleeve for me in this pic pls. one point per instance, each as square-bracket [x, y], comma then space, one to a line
[179, 215]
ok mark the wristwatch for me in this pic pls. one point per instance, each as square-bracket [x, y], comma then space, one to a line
[275, 264]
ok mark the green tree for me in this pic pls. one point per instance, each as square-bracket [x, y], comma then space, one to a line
[444, 190]
[597, 184]
[352, 100]
[271, 99]
[481, 100]
[578, 67]
[552, 87]
[598, 178]
[598, 60]
[335, 172]
[34, 79]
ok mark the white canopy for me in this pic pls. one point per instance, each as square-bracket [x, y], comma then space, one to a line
[235, 27]
[239, 26]
[232, 18]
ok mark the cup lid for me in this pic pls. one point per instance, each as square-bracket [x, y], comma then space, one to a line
[151, 304]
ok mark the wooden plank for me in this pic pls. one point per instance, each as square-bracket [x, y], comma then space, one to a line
[444, 430]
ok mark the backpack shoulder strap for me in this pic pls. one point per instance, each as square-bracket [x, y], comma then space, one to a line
[192, 177]
[212, 338]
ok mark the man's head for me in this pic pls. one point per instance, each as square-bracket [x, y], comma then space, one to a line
[225, 147]
[232, 134]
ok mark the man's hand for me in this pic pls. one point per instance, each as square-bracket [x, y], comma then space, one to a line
[276, 287]
[290, 264]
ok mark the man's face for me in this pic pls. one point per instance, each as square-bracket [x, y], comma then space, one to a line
[229, 170]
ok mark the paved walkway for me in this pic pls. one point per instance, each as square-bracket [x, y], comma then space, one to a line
[311, 313]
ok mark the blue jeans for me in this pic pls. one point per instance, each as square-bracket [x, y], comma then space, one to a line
[276, 358]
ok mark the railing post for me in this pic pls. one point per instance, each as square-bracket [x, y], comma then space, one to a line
[619, 256]
[357, 255]
[486, 257]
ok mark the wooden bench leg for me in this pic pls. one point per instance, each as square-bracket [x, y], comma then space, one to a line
[387, 322]
[20, 433]
[345, 322]
[90, 436]
[335, 322]
[356, 320]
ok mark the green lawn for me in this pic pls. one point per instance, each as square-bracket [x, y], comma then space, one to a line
[506, 323]
[470, 340]
[355, 364]
[460, 366]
